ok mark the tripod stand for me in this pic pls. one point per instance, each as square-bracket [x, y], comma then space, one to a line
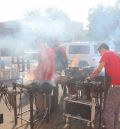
[4, 95]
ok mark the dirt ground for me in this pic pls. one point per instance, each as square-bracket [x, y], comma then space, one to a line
[9, 120]
[57, 120]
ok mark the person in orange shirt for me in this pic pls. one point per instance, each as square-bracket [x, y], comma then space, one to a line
[46, 64]
[44, 73]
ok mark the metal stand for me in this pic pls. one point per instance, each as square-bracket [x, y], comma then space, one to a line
[31, 120]
[100, 109]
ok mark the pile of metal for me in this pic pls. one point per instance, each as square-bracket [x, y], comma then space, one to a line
[76, 81]
[86, 98]
[77, 73]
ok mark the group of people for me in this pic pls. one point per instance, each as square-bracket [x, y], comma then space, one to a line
[51, 60]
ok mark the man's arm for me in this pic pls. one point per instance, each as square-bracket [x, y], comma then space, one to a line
[97, 70]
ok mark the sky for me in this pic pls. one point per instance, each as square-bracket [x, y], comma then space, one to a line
[76, 9]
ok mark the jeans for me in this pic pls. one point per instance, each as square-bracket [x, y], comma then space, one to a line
[112, 106]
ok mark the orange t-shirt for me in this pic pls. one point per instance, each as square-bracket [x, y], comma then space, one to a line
[45, 68]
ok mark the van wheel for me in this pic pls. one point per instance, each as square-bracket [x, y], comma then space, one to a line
[83, 64]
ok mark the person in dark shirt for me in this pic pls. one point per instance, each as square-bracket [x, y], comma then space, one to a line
[60, 58]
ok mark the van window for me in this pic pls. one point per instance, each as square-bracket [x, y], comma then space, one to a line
[96, 49]
[79, 49]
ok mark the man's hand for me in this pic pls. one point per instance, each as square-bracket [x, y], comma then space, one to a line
[87, 79]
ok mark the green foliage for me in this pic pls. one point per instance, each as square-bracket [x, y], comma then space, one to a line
[104, 23]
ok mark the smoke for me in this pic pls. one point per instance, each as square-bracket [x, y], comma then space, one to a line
[115, 40]
[104, 24]
[45, 29]
[48, 25]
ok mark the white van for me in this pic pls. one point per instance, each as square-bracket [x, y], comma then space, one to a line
[81, 54]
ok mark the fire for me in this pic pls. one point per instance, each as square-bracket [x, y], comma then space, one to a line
[75, 60]
[29, 76]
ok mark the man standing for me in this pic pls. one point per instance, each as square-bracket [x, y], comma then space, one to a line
[45, 69]
[60, 58]
[111, 61]
[44, 73]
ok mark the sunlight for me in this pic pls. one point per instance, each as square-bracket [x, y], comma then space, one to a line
[77, 9]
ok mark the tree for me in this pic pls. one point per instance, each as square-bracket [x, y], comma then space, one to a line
[102, 22]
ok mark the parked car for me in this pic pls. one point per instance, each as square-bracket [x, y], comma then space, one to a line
[81, 54]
